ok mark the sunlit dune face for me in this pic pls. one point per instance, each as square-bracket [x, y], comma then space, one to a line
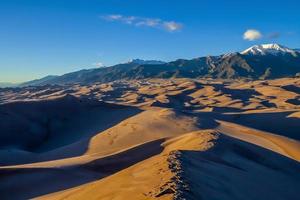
[151, 139]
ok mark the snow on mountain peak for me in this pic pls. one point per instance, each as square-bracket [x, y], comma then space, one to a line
[265, 49]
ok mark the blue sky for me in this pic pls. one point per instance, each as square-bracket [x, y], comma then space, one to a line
[42, 37]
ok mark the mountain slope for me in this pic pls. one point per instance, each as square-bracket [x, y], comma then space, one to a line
[258, 62]
[146, 62]
[41, 81]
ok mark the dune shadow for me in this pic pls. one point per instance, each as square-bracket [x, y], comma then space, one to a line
[274, 122]
[295, 102]
[234, 169]
[61, 128]
[179, 101]
[226, 109]
[292, 88]
[242, 94]
[49, 180]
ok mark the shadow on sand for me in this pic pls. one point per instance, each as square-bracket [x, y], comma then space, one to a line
[34, 182]
[234, 169]
[55, 129]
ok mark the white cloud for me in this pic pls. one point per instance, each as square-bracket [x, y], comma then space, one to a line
[148, 22]
[171, 26]
[113, 17]
[98, 64]
[252, 35]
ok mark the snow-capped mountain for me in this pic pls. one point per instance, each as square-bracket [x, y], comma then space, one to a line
[266, 49]
[264, 61]
[146, 62]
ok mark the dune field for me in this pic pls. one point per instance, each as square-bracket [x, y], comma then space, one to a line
[151, 139]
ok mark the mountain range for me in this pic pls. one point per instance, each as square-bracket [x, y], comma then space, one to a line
[266, 61]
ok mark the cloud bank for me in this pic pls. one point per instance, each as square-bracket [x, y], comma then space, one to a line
[170, 26]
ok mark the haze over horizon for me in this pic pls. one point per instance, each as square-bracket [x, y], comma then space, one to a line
[56, 37]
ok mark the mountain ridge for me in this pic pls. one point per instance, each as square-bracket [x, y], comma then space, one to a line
[264, 49]
[146, 62]
[264, 61]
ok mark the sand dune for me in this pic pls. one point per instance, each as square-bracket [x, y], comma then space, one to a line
[47, 127]
[191, 166]
[151, 139]
[151, 178]
[279, 144]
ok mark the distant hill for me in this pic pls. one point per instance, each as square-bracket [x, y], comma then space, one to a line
[41, 81]
[265, 61]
